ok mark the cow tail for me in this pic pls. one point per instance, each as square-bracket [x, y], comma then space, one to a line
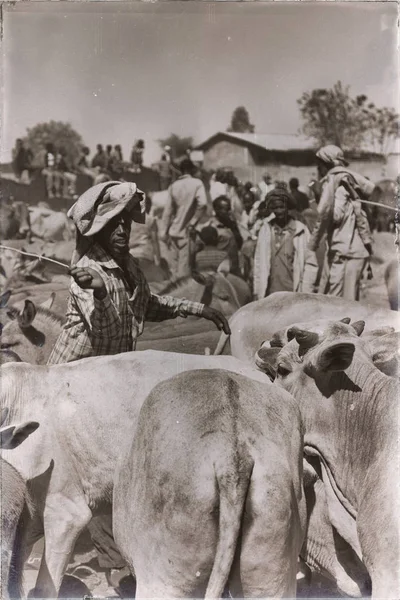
[232, 494]
[224, 337]
[15, 577]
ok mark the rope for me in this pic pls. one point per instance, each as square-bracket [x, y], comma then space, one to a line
[32, 255]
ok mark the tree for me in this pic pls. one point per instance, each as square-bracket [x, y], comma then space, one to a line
[179, 145]
[59, 133]
[382, 127]
[240, 121]
[332, 116]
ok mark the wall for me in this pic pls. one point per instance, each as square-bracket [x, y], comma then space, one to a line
[225, 154]
[393, 166]
[248, 168]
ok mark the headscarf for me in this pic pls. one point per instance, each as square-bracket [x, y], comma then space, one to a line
[332, 155]
[101, 203]
[282, 194]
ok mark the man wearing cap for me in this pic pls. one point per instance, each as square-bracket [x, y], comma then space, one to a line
[110, 300]
[109, 297]
[341, 217]
[281, 247]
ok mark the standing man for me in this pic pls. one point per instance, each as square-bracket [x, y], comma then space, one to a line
[341, 217]
[265, 186]
[229, 237]
[300, 199]
[110, 301]
[186, 204]
[281, 247]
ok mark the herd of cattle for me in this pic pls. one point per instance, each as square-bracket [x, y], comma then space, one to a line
[223, 472]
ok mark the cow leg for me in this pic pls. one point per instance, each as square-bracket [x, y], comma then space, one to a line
[63, 520]
[271, 538]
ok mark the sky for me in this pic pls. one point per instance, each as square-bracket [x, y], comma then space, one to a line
[121, 71]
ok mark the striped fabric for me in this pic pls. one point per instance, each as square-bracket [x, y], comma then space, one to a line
[110, 326]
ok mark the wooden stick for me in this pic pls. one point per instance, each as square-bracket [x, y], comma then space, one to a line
[31, 254]
[379, 204]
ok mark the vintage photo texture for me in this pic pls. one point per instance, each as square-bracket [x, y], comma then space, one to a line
[199, 294]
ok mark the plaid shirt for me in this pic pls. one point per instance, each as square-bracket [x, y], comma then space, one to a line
[110, 326]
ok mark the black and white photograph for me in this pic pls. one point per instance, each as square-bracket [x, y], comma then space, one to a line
[199, 300]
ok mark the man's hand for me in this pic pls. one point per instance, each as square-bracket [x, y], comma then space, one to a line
[218, 318]
[89, 279]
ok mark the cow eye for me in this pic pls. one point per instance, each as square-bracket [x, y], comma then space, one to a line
[282, 371]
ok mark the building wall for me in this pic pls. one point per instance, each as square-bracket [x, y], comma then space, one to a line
[225, 154]
[247, 167]
[393, 166]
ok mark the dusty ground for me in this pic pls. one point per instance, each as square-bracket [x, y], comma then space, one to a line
[85, 565]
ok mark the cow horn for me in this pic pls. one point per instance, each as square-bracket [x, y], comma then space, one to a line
[358, 327]
[346, 320]
[305, 339]
[49, 302]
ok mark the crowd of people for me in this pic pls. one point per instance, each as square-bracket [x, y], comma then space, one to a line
[268, 234]
[60, 172]
[274, 235]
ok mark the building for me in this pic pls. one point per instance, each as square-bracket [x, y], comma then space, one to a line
[282, 156]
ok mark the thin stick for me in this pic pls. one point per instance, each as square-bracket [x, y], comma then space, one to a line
[39, 256]
[379, 204]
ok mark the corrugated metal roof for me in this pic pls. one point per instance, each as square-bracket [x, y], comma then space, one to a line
[268, 141]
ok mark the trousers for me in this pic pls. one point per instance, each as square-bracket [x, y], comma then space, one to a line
[179, 257]
[344, 276]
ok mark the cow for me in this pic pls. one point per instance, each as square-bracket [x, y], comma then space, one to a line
[50, 225]
[259, 320]
[15, 508]
[85, 406]
[392, 283]
[14, 220]
[31, 330]
[222, 451]
[350, 415]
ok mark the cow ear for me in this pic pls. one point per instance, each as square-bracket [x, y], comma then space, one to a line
[265, 360]
[47, 304]
[336, 357]
[4, 298]
[358, 327]
[346, 320]
[27, 314]
[305, 339]
[12, 436]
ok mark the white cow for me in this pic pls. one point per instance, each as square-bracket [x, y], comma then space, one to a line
[14, 502]
[89, 411]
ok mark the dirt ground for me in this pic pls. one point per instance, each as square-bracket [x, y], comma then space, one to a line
[85, 566]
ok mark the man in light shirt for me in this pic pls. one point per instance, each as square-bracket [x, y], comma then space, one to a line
[341, 217]
[185, 206]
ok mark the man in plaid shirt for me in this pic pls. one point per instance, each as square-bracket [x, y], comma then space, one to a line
[109, 302]
[109, 297]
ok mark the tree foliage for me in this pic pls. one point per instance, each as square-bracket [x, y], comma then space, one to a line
[179, 145]
[333, 116]
[240, 121]
[59, 133]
